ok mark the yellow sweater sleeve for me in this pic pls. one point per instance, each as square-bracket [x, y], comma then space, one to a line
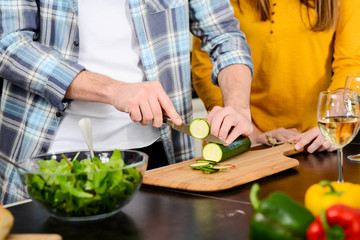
[346, 43]
[209, 93]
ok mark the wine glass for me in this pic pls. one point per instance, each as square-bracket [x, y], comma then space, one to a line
[338, 119]
[353, 83]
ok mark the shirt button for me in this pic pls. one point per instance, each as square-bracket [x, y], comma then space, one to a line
[76, 43]
[35, 37]
[272, 21]
[59, 114]
[272, 13]
[274, 4]
[271, 32]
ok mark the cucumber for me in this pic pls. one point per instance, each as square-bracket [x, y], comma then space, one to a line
[205, 161]
[209, 169]
[217, 167]
[207, 166]
[217, 152]
[199, 128]
[198, 166]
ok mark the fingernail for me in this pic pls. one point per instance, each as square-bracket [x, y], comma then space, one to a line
[297, 147]
[223, 140]
[178, 121]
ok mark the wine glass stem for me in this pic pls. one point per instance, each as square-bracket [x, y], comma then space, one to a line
[340, 165]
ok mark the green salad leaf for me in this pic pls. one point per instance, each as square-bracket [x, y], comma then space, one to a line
[82, 188]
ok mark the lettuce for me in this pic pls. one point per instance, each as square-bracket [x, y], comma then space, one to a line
[83, 188]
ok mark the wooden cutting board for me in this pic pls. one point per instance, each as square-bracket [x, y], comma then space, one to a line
[246, 167]
[34, 236]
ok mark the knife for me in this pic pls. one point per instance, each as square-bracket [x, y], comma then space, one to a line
[185, 128]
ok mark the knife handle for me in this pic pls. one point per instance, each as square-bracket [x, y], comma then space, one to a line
[169, 122]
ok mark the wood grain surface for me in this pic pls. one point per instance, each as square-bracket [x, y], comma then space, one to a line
[33, 236]
[246, 167]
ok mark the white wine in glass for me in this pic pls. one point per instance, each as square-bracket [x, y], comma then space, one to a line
[338, 119]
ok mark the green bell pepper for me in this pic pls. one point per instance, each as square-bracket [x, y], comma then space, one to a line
[278, 217]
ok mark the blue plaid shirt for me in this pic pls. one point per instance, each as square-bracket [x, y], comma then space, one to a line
[39, 50]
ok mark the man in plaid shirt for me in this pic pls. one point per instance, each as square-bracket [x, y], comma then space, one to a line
[40, 46]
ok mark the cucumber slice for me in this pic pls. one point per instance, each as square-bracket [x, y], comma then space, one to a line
[197, 166]
[206, 161]
[207, 166]
[208, 169]
[219, 167]
[217, 152]
[199, 128]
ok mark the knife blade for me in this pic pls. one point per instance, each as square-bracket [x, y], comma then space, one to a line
[185, 128]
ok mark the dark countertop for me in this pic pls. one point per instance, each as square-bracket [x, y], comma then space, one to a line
[159, 213]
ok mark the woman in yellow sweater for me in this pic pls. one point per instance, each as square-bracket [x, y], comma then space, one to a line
[296, 55]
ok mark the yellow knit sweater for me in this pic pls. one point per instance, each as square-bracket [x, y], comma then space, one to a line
[292, 64]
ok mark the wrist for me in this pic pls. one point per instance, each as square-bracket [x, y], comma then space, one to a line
[92, 87]
[235, 84]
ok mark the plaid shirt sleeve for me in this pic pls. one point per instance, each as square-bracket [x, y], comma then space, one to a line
[36, 77]
[32, 66]
[220, 33]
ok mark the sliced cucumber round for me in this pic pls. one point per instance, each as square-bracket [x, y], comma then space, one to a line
[199, 128]
[208, 169]
[205, 161]
[212, 152]
[197, 166]
[219, 167]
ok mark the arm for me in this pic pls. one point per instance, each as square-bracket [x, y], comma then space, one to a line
[211, 94]
[24, 61]
[234, 119]
[144, 102]
[232, 65]
[45, 72]
[346, 44]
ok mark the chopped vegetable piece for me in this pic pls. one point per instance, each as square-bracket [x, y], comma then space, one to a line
[220, 167]
[217, 152]
[208, 169]
[197, 166]
[205, 161]
[199, 128]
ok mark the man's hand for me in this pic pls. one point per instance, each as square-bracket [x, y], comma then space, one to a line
[315, 141]
[228, 124]
[145, 102]
[234, 119]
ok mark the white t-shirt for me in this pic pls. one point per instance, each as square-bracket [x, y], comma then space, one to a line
[107, 46]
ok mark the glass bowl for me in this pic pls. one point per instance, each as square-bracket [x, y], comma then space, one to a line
[71, 187]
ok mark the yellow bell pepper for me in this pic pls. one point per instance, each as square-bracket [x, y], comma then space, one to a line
[325, 194]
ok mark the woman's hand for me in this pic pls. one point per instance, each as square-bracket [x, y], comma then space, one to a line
[279, 134]
[314, 140]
